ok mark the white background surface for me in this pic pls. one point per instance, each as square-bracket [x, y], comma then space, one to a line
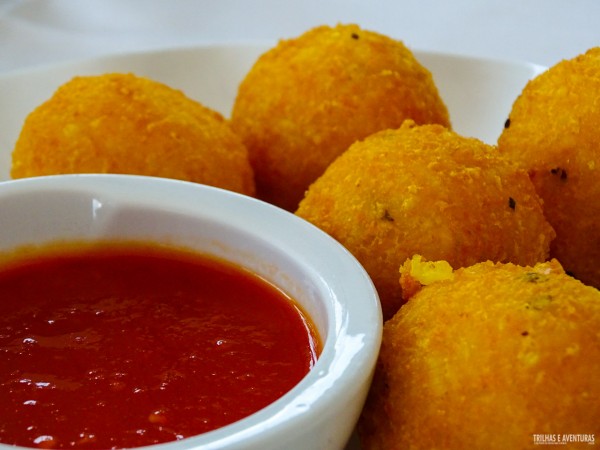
[34, 32]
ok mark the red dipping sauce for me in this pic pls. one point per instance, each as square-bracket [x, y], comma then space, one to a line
[129, 345]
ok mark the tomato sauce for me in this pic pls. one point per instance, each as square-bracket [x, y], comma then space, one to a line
[131, 345]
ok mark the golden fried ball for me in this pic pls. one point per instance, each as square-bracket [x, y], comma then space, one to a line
[425, 189]
[554, 132]
[307, 99]
[488, 358]
[122, 123]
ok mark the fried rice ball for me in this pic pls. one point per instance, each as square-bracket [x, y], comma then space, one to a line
[123, 123]
[488, 357]
[308, 98]
[554, 132]
[428, 190]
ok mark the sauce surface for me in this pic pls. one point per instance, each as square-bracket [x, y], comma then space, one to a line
[133, 345]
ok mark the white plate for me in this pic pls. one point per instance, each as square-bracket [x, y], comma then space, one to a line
[478, 92]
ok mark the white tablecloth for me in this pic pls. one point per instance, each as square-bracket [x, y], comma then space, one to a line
[34, 32]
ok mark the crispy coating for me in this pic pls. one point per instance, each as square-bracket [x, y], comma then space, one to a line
[554, 132]
[425, 189]
[122, 123]
[488, 359]
[307, 99]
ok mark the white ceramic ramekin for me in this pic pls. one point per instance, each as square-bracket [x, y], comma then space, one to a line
[329, 284]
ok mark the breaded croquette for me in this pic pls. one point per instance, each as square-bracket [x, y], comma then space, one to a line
[427, 190]
[308, 99]
[487, 358]
[553, 131]
[122, 123]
